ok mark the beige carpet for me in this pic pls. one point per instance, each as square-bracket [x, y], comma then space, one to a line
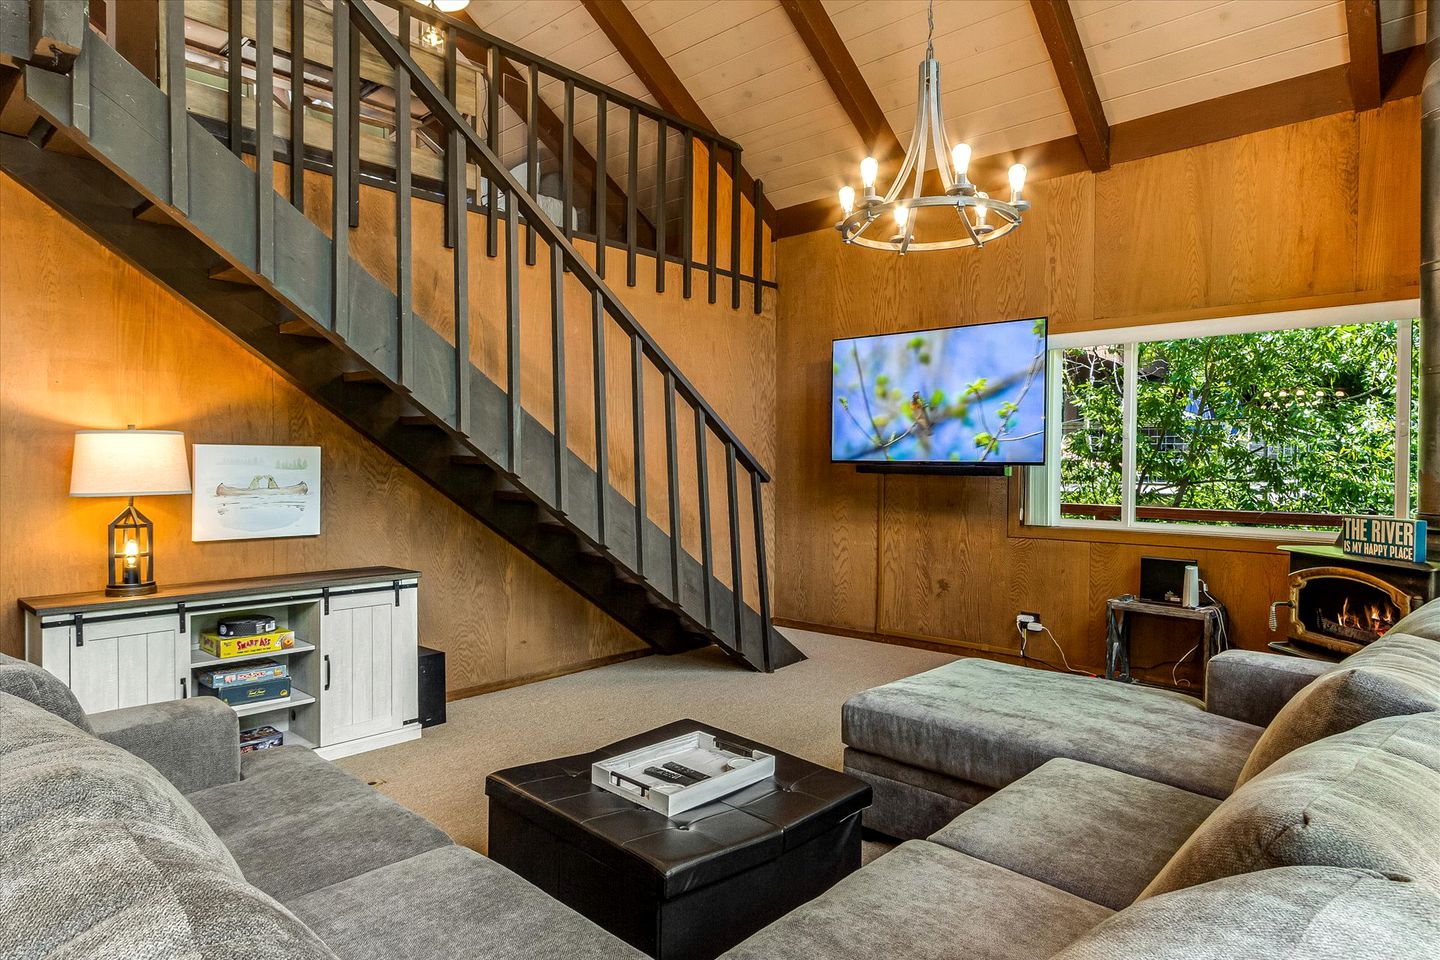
[797, 709]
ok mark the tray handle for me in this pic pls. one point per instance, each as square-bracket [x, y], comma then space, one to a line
[618, 778]
[735, 748]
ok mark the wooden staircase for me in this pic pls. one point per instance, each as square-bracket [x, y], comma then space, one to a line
[112, 151]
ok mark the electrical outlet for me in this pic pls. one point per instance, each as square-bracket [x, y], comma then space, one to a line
[1027, 620]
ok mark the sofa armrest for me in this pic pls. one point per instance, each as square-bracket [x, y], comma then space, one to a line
[194, 743]
[1251, 687]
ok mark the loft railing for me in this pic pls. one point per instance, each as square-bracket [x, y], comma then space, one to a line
[624, 173]
[352, 21]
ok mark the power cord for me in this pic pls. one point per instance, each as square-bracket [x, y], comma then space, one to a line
[1024, 638]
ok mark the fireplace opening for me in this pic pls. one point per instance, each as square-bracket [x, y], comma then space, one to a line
[1347, 611]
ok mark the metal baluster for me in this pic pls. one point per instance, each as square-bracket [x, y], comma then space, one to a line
[762, 572]
[264, 139]
[557, 368]
[492, 134]
[454, 215]
[602, 438]
[602, 182]
[735, 229]
[567, 161]
[736, 579]
[179, 125]
[702, 471]
[660, 260]
[404, 280]
[687, 215]
[632, 187]
[354, 126]
[532, 158]
[235, 76]
[672, 465]
[514, 415]
[637, 401]
[455, 200]
[759, 252]
[297, 101]
[712, 207]
[340, 158]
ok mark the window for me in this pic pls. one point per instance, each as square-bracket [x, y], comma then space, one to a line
[1243, 426]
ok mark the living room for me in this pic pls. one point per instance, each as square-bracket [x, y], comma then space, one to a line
[734, 553]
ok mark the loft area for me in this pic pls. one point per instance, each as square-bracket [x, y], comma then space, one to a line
[615, 478]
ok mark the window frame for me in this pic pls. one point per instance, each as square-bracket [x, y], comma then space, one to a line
[1042, 484]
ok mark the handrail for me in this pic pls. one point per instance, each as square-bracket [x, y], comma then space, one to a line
[379, 36]
[428, 14]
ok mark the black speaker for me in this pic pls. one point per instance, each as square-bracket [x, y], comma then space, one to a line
[432, 687]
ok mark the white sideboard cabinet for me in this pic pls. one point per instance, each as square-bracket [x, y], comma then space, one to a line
[353, 668]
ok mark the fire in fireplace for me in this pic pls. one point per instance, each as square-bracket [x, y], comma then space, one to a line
[1364, 623]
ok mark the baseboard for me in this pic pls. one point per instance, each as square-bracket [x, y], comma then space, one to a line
[411, 731]
[475, 691]
[955, 647]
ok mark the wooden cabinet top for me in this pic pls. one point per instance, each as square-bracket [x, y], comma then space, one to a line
[96, 600]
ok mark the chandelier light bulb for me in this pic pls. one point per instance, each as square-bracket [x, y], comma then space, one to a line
[961, 156]
[869, 168]
[1017, 181]
[902, 216]
[981, 210]
[847, 199]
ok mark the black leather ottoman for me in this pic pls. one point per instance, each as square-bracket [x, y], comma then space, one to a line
[682, 888]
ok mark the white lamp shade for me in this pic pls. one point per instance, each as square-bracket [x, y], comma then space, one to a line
[451, 6]
[129, 463]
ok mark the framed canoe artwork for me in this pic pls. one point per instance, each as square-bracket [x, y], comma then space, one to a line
[254, 492]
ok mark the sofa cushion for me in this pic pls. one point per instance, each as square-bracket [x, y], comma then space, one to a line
[42, 688]
[1097, 833]
[922, 901]
[1422, 622]
[1367, 799]
[1290, 913]
[447, 903]
[992, 723]
[56, 775]
[1397, 674]
[108, 888]
[296, 823]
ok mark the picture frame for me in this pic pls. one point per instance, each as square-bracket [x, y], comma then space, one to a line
[254, 492]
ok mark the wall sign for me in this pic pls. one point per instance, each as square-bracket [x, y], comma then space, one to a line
[1384, 538]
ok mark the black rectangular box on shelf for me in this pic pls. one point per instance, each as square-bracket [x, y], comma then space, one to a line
[245, 625]
[432, 686]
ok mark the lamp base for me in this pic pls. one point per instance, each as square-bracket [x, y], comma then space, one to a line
[131, 589]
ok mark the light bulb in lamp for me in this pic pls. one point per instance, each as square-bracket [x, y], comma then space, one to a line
[961, 155]
[847, 199]
[869, 168]
[1017, 182]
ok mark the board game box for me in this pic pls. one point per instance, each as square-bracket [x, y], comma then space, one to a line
[224, 647]
[249, 673]
[242, 693]
[260, 738]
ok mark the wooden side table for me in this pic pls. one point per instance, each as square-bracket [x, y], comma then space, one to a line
[1117, 621]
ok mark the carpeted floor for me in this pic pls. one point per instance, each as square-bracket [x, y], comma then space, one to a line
[797, 709]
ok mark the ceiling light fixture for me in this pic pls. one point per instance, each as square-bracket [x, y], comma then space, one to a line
[982, 218]
[431, 35]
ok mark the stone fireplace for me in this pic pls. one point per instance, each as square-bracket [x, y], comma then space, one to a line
[1339, 604]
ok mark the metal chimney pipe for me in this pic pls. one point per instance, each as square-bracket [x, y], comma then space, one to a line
[1429, 385]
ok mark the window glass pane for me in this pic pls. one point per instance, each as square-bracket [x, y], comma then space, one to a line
[1244, 429]
[1092, 441]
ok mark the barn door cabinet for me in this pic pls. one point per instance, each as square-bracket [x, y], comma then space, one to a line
[353, 668]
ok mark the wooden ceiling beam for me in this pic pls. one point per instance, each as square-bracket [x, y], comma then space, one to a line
[1077, 83]
[640, 52]
[1362, 21]
[1307, 97]
[830, 54]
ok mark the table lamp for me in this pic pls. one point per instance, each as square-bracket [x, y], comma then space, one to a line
[129, 463]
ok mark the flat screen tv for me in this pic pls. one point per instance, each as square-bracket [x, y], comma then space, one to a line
[958, 396]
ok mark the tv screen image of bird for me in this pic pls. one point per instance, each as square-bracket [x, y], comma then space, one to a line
[959, 395]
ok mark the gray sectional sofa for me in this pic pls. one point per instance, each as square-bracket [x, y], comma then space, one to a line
[144, 833]
[1295, 814]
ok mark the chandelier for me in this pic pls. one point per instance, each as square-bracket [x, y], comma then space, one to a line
[981, 218]
[430, 34]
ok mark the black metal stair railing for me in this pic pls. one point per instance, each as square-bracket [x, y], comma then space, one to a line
[510, 203]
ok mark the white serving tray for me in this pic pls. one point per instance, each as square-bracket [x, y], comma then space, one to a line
[725, 763]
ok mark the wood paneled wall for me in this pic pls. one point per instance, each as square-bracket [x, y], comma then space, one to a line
[1313, 214]
[86, 340]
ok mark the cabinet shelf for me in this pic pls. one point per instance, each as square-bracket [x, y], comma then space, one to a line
[297, 698]
[199, 658]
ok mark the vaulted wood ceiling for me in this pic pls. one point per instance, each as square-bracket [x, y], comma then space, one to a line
[808, 87]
